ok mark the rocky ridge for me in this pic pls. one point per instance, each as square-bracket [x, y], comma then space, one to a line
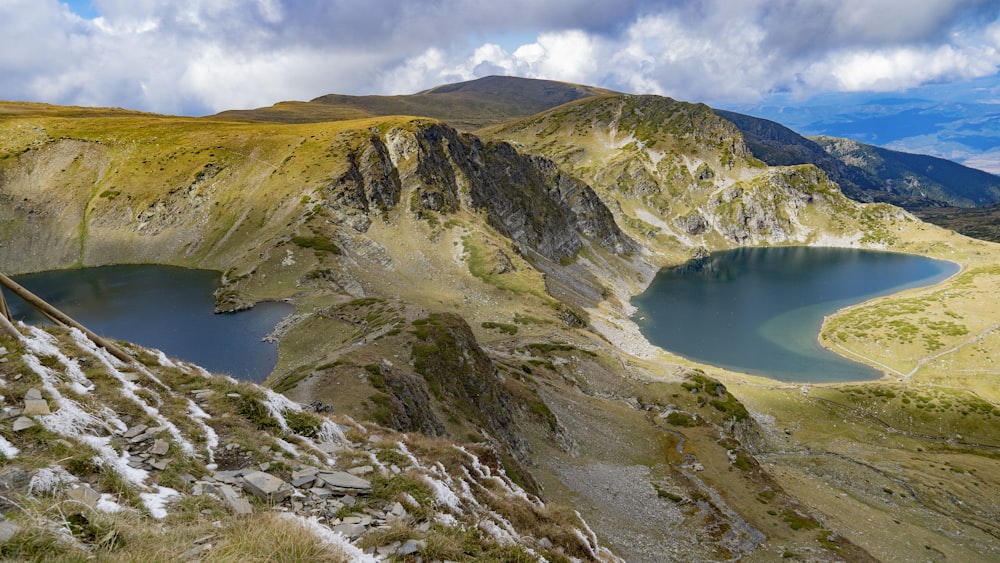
[177, 435]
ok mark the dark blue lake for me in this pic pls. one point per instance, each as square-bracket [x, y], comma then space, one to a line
[759, 310]
[161, 307]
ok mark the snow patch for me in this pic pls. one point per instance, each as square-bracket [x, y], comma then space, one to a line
[8, 450]
[442, 493]
[164, 360]
[48, 480]
[107, 504]
[156, 503]
[211, 438]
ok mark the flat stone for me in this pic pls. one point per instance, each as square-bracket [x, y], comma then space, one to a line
[205, 539]
[267, 487]
[303, 481]
[320, 492]
[148, 434]
[84, 494]
[398, 510]
[235, 500]
[135, 431]
[7, 531]
[304, 472]
[22, 423]
[34, 407]
[363, 470]
[411, 547]
[264, 466]
[160, 464]
[350, 530]
[341, 481]
[160, 447]
[231, 477]
[195, 552]
[329, 447]
[233, 395]
[33, 393]
[3, 351]
[130, 376]
[10, 412]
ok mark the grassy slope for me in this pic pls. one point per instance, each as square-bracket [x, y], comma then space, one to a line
[465, 106]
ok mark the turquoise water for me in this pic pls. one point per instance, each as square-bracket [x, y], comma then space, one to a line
[161, 307]
[759, 310]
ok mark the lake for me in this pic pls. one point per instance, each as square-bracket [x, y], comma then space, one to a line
[161, 307]
[759, 310]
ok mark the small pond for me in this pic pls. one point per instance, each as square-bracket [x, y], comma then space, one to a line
[161, 307]
[759, 310]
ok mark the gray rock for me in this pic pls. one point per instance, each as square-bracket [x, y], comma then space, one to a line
[411, 547]
[340, 481]
[135, 431]
[160, 447]
[22, 423]
[7, 531]
[304, 472]
[85, 495]
[350, 530]
[329, 448]
[236, 502]
[267, 487]
[33, 394]
[34, 407]
[320, 492]
[363, 470]
[303, 481]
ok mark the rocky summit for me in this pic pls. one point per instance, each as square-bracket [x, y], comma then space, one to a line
[461, 378]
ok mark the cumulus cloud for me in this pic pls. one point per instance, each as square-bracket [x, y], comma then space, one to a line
[201, 56]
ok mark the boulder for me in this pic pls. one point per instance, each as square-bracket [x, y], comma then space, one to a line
[267, 487]
[343, 482]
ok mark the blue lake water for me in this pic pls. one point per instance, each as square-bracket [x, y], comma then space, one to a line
[161, 307]
[759, 310]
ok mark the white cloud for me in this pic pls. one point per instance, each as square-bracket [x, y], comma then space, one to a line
[200, 56]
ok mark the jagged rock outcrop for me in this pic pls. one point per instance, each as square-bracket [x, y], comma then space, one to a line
[370, 185]
[460, 375]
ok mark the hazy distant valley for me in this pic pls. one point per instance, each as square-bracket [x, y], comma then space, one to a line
[469, 284]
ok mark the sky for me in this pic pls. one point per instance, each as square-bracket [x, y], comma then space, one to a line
[196, 57]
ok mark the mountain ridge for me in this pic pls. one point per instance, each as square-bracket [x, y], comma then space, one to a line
[465, 105]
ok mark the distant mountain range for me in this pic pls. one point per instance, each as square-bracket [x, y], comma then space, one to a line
[870, 173]
[967, 131]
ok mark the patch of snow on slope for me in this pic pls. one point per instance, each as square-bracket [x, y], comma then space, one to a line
[8, 450]
[211, 438]
[106, 503]
[156, 502]
[442, 493]
[48, 480]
